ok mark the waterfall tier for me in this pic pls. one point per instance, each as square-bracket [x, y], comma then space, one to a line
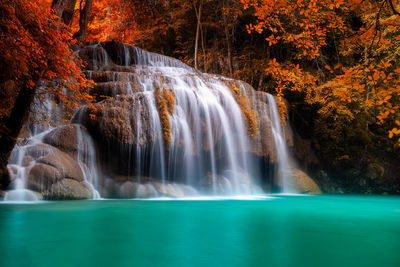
[159, 128]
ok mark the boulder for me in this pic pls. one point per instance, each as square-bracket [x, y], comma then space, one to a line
[300, 182]
[128, 189]
[51, 169]
[66, 139]
[69, 189]
[26, 161]
[42, 176]
[64, 163]
[39, 150]
[146, 191]
[168, 190]
[109, 188]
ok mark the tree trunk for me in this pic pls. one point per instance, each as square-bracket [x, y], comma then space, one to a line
[227, 39]
[58, 6]
[69, 11]
[203, 48]
[64, 9]
[11, 127]
[83, 20]
[196, 45]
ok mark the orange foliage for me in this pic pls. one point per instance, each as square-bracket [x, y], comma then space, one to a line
[118, 20]
[368, 87]
[299, 23]
[35, 48]
[165, 100]
[249, 114]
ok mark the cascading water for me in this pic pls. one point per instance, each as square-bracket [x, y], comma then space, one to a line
[284, 164]
[32, 150]
[206, 122]
[161, 129]
[86, 157]
[208, 133]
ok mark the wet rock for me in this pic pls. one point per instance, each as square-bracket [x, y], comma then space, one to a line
[26, 161]
[42, 176]
[39, 150]
[302, 183]
[112, 119]
[128, 189]
[116, 88]
[95, 56]
[12, 171]
[64, 163]
[146, 191]
[169, 190]
[109, 188]
[65, 138]
[24, 133]
[229, 182]
[69, 189]
[22, 195]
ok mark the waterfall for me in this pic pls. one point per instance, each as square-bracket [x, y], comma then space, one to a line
[18, 165]
[86, 157]
[44, 118]
[284, 164]
[207, 128]
[160, 128]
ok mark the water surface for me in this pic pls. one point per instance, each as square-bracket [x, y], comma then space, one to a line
[280, 231]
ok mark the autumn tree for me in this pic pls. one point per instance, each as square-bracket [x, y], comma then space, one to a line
[35, 47]
[65, 9]
[342, 57]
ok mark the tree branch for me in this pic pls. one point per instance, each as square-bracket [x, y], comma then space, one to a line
[393, 8]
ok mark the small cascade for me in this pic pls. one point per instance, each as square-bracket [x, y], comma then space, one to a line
[86, 157]
[18, 166]
[284, 163]
[33, 151]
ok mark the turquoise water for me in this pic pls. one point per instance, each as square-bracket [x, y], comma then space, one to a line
[282, 231]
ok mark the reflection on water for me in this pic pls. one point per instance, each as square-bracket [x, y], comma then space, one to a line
[279, 231]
